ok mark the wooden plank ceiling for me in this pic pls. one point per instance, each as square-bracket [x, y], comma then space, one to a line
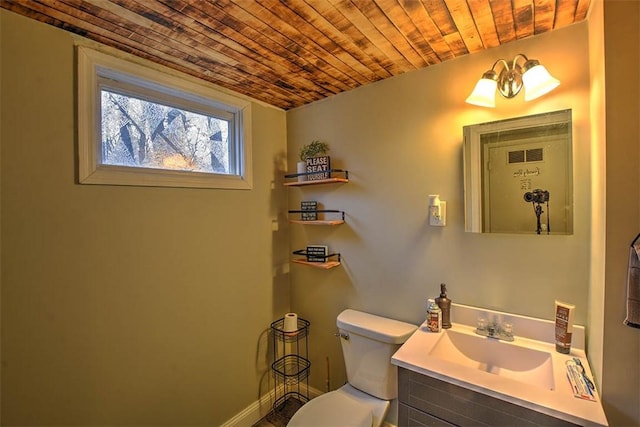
[290, 53]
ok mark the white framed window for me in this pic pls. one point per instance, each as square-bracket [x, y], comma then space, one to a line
[139, 126]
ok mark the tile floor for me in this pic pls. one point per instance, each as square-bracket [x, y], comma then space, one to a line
[280, 416]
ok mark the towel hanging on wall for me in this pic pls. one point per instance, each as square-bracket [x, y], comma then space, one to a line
[633, 285]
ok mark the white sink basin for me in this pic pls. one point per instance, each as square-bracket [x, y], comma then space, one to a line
[507, 360]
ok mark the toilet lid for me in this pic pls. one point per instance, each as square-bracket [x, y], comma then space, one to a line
[332, 409]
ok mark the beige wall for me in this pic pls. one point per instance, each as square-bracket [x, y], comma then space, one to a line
[401, 139]
[126, 305]
[621, 374]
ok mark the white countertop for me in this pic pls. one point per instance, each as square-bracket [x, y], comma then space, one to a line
[558, 402]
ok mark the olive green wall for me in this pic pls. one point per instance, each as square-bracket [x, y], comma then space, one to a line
[401, 140]
[126, 305]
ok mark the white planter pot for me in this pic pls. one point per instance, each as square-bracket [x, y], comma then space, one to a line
[302, 168]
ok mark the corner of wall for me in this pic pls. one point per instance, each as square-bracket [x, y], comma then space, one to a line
[595, 322]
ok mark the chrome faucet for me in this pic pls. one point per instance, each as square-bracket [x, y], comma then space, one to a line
[492, 329]
[495, 330]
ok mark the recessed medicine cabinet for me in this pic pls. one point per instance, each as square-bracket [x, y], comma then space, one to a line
[518, 175]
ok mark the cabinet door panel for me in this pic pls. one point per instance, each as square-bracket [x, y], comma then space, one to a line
[408, 416]
[461, 406]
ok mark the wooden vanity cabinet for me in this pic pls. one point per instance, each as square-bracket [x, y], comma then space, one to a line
[426, 401]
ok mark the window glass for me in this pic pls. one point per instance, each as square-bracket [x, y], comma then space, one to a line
[138, 126]
[140, 133]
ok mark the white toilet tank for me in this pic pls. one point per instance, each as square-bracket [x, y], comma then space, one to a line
[367, 353]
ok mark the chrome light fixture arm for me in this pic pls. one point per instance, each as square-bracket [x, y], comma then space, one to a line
[509, 78]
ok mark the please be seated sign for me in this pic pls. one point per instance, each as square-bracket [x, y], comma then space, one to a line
[321, 165]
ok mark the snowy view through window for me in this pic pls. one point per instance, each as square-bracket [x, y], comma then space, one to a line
[144, 134]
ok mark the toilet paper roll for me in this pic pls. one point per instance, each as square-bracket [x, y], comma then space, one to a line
[290, 322]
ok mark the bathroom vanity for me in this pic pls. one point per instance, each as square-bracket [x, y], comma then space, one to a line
[458, 377]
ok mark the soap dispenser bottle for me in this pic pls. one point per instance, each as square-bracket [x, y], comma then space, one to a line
[445, 305]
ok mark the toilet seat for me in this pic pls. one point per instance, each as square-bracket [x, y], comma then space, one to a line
[335, 408]
[346, 406]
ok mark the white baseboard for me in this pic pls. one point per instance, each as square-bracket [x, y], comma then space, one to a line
[260, 408]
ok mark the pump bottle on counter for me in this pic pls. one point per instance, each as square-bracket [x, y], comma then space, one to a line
[445, 305]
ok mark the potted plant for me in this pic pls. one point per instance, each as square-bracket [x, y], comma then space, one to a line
[308, 151]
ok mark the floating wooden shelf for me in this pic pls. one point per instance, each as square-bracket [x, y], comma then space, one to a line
[332, 179]
[315, 182]
[323, 265]
[318, 222]
[336, 221]
[327, 264]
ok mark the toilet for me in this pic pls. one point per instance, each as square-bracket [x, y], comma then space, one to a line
[368, 342]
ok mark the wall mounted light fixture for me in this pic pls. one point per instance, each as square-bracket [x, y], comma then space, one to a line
[510, 79]
[437, 211]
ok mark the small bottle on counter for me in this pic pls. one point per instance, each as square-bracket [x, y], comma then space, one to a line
[434, 316]
[445, 305]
